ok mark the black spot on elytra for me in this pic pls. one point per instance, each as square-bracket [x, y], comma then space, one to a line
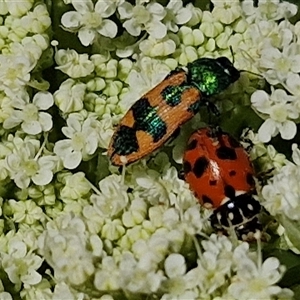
[200, 166]
[192, 145]
[187, 167]
[125, 141]
[147, 119]
[224, 152]
[250, 179]
[172, 94]
[212, 182]
[206, 199]
[232, 173]
[229, 191]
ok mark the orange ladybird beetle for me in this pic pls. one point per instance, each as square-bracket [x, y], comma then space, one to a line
[219, 172]
[152, 120]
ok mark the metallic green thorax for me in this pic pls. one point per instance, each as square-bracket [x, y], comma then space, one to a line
[212, 76]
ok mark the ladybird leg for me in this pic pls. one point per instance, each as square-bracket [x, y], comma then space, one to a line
[216, 131]
[247, 143]
[211, 107]
[181, 174]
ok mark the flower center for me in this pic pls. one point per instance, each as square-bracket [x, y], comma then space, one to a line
[12, 74]
[30, 112]
[141, 14]
[31, 167]
[282, 65]
[78, 141]
[279, 113]
[92, 20]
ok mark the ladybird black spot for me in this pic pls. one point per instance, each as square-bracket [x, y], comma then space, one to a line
[233, 142]
[125, 141]
[187, 167]
[212, 182]
[250, 179]
[224, 152]
[206, 199]
[200, 166]
[192, 145]
[147, 119]
[172, 94]
[229, 191]
[232, 173]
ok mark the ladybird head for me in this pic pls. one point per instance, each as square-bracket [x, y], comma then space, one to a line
[239, 213]
[212, 76]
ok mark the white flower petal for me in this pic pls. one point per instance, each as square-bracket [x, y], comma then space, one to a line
[296, 154]
[86, 36]
[32, 127]
[183, 16]
[71, 19]
[270, 265]
[45, 121]
[156, 29]
[293, 84]
[43, 177]
[83, 6]
[14, 120]
[105, 8]
[125, 10]
[73, 160]
[260, 100]
[132, 28]
[91, 143]
[43, 100]
[108, 28]
[295, 67]
[63, 148]
[157, 10]
[288, 130]
[74, 123]
[22, 180]
[175, 265]
[267, 130]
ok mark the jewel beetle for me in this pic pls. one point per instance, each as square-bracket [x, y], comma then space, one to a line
[219, 172]
[152, 120]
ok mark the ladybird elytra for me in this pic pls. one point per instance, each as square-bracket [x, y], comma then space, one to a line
[152, 120]
[219, 172]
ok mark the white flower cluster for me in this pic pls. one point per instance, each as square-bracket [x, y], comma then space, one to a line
[282, 193]
[276, 56]
[90, 20]
[279, 192]
[132, 243]
[142, 233]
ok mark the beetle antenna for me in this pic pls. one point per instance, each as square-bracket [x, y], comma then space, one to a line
[245, 53]
[231, 51]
